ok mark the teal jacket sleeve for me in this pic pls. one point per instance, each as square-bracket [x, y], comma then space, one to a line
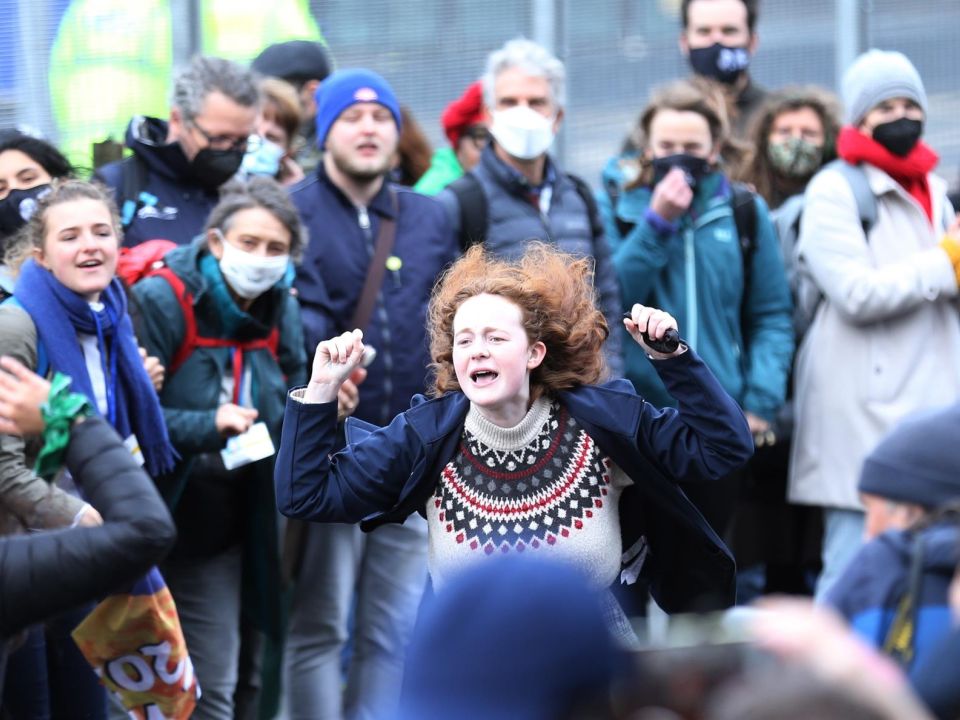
[160, 328]
[767, 323]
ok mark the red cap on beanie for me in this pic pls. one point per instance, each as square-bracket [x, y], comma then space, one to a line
[463, 112]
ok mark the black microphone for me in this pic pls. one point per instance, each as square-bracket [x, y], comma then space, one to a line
[666, 345]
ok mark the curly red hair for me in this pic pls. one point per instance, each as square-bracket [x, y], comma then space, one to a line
[558, 306]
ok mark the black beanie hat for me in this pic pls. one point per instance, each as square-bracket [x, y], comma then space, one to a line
[918, 462]
[295, 61]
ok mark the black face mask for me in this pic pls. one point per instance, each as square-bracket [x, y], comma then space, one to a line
[212, 168]
[17, 207]
[899, 136]
[720, 62]
[694, 168]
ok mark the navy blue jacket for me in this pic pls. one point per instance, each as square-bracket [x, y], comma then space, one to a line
[394, 470]
[331, 277]
[181, 206]
[869, 592]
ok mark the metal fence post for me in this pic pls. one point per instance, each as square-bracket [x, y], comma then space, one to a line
[848, 34]
[34, 108]
[186, 29]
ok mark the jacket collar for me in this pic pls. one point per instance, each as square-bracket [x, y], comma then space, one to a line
[147, 137]
[512, 180]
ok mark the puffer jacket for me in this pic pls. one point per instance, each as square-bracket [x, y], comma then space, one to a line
[51, 572]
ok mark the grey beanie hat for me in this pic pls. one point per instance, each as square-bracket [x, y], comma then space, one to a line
[918, 461]
[879, 75]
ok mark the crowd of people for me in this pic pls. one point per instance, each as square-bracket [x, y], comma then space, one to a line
[425, 434]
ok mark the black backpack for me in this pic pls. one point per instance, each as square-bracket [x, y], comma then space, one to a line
[474, 215]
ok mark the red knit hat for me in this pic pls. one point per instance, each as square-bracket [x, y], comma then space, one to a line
[463, 112]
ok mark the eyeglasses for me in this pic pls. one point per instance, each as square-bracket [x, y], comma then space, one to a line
[478, 134]
[229, 142]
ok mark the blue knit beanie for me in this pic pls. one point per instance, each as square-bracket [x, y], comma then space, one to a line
[349, 87]
[918, 461]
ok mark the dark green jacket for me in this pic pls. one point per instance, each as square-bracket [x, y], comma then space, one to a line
[190, 398]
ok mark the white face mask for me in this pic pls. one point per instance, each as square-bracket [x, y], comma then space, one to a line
[522, 132]
[250, 275]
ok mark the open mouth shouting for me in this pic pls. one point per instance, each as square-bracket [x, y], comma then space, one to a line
[482, 378]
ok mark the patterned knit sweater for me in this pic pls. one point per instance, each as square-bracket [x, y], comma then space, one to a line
[540, 487]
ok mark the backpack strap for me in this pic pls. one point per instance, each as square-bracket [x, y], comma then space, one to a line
[473, 210]
[133, 180]
[192, 339]
[866, 201]
[900, 641]
[586, 194]
[745, 218]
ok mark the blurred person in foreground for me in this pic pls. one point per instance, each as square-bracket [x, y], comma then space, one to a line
[895, 591]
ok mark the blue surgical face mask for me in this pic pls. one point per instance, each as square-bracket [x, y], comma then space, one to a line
[264, 160]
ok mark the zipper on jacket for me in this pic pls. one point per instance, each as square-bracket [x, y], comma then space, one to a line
[363, 217]
[690, 277]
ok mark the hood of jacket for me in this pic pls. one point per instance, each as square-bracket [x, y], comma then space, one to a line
[147, 137]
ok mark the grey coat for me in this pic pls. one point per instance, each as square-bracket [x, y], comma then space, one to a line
[26, 501]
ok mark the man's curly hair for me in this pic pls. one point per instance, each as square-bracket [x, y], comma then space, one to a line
[558, 305]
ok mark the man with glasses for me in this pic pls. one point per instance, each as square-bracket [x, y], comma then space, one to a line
[168, 186]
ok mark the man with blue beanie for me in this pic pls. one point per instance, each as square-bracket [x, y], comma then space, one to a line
[895, 591]
[375, 250]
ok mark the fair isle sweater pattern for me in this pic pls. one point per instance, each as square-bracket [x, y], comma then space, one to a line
[540, 487]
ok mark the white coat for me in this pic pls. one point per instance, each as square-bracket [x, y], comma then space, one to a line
[885, 340]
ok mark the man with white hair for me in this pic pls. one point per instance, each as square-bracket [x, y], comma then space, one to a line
[517, 193]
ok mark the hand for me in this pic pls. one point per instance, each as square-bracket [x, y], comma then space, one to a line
[761, 430]
[333, 363]
[672, 196]
[22, 392]
[954, 229]
[89, 517]
[155, 371]
[656, 323]
[348, 397]
[234, 420]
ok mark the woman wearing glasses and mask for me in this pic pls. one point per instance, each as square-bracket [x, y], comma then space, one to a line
[223, 401]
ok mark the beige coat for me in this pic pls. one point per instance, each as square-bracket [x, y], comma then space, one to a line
[885, 341]
[26, 501]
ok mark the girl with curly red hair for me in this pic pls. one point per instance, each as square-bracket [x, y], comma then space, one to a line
[521, 450]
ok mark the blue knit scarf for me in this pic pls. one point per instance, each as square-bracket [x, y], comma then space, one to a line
[59, 314]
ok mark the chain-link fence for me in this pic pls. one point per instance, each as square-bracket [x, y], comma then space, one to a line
[77, 69]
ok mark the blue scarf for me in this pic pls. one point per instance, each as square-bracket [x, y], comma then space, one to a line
[59, 314]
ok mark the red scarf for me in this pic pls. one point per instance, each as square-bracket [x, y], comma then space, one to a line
[910, 171]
